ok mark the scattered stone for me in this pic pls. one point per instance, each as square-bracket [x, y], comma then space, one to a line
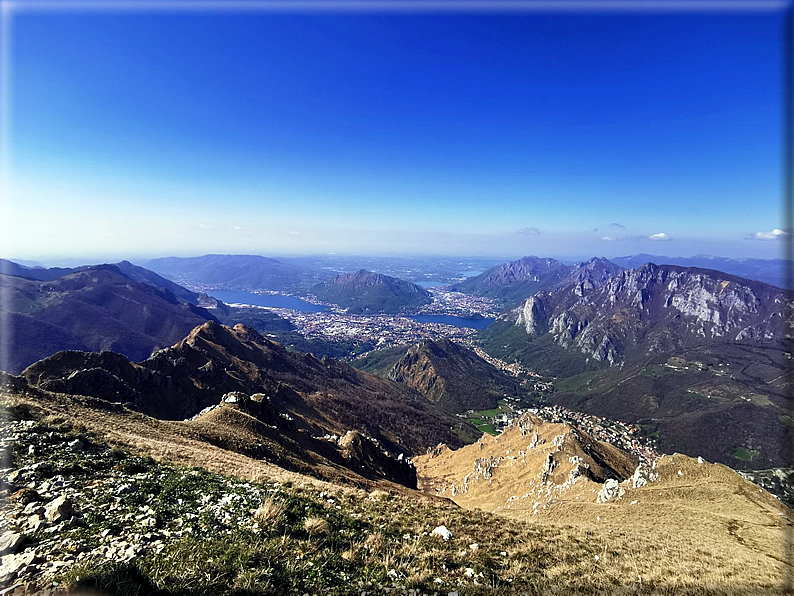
[25, 496]
[10, 542]
[609, 491]
[60, 509]
[442, 532]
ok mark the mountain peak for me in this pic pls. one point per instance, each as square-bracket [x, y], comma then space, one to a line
[368, 292]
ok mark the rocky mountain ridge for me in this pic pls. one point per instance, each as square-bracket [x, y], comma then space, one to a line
[514, 281]
[448, 374]
[302, 399]
[657, 308]
[554, 473]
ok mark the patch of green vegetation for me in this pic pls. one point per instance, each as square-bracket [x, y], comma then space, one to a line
[483, 419]
[744, 454]
[502, 409]
[485, 427]
[577, 383]
[648, 430]
[658, 370]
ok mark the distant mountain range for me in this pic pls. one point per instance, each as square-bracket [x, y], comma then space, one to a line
[125, 267]
[238, 272]
[448, 374]
[366, 292]
[770, 271]
[517, 280]
[677, 348]
[102, 307]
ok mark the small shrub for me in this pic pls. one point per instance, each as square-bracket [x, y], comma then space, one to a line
[375, 542]
[316, 526]
[270, 514]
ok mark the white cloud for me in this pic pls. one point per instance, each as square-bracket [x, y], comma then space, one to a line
[617, 225]
[532, 231]
[204, 226]
[237, 228]
[773, 235]
[659, 236]
[608, 238]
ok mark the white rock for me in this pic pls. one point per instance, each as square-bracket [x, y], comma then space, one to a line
[60, 509]
[442, 532]
[10, 542]
[609, 491]
[701, 460]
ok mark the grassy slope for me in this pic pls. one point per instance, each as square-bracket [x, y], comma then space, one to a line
[706, 526]
[377, 541]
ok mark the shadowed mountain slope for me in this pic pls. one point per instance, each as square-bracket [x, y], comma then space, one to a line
[367, 292]
[96, 308]
[323, 396]
[448, 374]
[127, 269]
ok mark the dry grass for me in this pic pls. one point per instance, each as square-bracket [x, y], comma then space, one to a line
[704, 529]
[270, 514]
[695, 538]
[316, 526]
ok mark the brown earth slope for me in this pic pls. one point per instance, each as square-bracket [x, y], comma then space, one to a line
[677, 518]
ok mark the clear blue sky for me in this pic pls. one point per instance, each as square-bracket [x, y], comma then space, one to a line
[155, 134]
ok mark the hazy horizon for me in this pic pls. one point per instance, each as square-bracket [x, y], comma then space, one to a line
[560, 134]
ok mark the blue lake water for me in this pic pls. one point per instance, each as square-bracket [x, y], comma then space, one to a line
[278, 301]
[451, 320]
[469, 273]
[272, 300]
[428, 284]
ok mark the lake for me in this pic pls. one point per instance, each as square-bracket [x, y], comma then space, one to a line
[272, 300]
[428, 284]
[454, 321]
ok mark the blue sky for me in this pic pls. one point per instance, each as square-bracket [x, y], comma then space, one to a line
[154, 134]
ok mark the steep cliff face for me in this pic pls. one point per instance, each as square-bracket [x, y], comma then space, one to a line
[653, 309]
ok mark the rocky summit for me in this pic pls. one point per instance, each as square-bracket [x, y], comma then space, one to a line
[693, 511]
[655, 309]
